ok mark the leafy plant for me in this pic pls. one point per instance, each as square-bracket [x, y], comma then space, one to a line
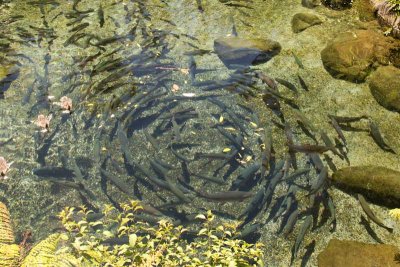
[119, 239]
[395, 4]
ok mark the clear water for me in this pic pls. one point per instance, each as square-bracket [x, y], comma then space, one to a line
[152, 86]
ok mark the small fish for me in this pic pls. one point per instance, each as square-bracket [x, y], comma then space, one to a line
[291, 221]
[308, 148]
[100, 15]
[199, 6]
[303, 230]
[227, 195]
[376, 135]
[210, 178]
[54, 172]
[267, 80]
[338, 130]
[320, 181]
[298, 61]
[342, 119]
[370, 214]
[288, 85]
[303, 83]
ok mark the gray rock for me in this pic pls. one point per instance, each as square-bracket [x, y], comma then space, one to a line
[352, 56]
[234, 51]
[302, 21]
[381, 185]
[357, 254]
[385, 87]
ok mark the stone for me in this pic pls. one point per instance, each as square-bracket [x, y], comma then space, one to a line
[379, 184]
[235, 51]
[386, 16]
[338, 4]
[302, 21]
[350, 253]
[384, 84]
[352, 56]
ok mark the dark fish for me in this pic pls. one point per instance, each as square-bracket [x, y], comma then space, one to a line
[291, 221]
[210, 178]
[151, 139]
[192, 68]
[79, 27]
[376, 135]
[198, 52]
[267, 80]
[248, 230]
[100, 15]
[297, 173]
[329, 143]
[246, 175]
[308, 148]
[338, 130]
[54, 172]
[123, 186]
[176, 130]
[303, 230]
[341, 119]
[267, 152]
[227, 195]
[316, 161]
[199, 5]
[160, 170]
[303, 83]
[370, 214]
[298, 61]
[320, 181]
[90, 58]
[287, 84]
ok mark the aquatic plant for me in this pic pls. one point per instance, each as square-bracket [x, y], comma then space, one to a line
[395, 5]
[120, 239]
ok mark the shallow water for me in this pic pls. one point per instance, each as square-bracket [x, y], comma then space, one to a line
[155, 38]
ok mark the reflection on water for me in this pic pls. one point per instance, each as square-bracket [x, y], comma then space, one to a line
[114, 100]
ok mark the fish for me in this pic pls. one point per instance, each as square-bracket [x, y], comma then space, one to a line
[291, 221]
[297, 173]
[267, 152]
[210, 178]
[319, 182]
[88, 59]
[308, 148]
[342, 119]
[338, 130]
[199, 6]
[120, 184]
[329, 143]
[79, 27]
[303, 83]
[227, 195]
[316, 161]
[255, 204]
[246, 175]
[54, 172]
[176, 130]
[303, 230]
[176, 190]
[370, 214]
[298, 61]
[100, 15]
[160, 170]
[376, 135]
[248, 230]
[192, 68]
[288, 85]
[269, 81]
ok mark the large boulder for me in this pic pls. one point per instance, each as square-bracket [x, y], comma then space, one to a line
[352, 56]
[235, 51]
[385, 87]
[348, 253]
[302, 21]
[381, 185]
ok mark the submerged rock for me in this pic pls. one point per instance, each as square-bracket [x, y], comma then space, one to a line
[338, 4]
[385, 87]
[380, 184]
[357, 254]
[239, 51]
[365, 10]
[302, 21]
[352, 56]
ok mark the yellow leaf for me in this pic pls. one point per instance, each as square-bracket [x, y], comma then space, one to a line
[201, 216]
[132, 240]
[225, 150]
[221, 119]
